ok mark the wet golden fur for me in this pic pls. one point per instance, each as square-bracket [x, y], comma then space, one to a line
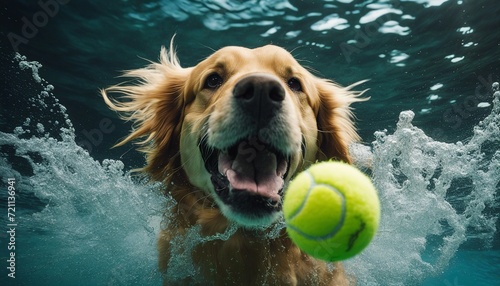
[170, 108]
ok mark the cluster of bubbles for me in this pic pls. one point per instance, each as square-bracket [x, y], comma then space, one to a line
[435, 197]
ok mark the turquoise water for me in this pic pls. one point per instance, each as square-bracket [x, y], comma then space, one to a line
[431, 129]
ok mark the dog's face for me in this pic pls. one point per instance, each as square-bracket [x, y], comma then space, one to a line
[244, 121]
[250, 124]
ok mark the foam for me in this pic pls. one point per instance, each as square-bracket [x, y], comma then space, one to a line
[427, 212]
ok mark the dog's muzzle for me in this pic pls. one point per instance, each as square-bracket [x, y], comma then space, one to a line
[249, 174]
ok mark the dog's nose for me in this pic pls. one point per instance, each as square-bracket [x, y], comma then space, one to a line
[260, 95]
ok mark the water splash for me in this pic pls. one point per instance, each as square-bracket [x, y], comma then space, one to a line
[435, 196]
[181, 265]
[46, 115]
[80, 221]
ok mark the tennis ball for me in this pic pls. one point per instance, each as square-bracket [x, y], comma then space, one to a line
[331, 211]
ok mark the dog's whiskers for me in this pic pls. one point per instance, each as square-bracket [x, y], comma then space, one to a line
[180, 202]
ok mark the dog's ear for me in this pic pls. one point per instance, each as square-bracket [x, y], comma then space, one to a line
[154, 102]
[336, 129]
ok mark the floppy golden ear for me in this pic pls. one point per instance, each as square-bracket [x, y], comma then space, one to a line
[154, 104]
[335, 120]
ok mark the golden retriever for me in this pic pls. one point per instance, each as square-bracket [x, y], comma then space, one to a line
[225, 137]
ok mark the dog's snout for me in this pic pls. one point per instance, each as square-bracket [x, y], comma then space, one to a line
[260, 95]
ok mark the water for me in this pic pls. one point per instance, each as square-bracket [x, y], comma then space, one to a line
[84, 222]
[79, 221]
[435, 196]
[83, 219]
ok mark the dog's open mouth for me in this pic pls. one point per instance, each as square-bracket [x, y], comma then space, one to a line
[249, 175]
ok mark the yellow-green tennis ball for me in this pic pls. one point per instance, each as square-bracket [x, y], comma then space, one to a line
[331, 210]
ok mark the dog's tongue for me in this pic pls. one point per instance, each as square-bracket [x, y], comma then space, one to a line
[254, 169]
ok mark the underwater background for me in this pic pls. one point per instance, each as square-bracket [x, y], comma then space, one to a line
[431, 129]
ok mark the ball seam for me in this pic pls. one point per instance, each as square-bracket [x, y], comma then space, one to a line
[337, 227]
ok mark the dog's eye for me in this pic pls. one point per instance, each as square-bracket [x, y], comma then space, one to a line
[294, 84]
[213, 81]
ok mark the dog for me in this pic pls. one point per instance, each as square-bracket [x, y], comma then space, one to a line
[225, 137]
